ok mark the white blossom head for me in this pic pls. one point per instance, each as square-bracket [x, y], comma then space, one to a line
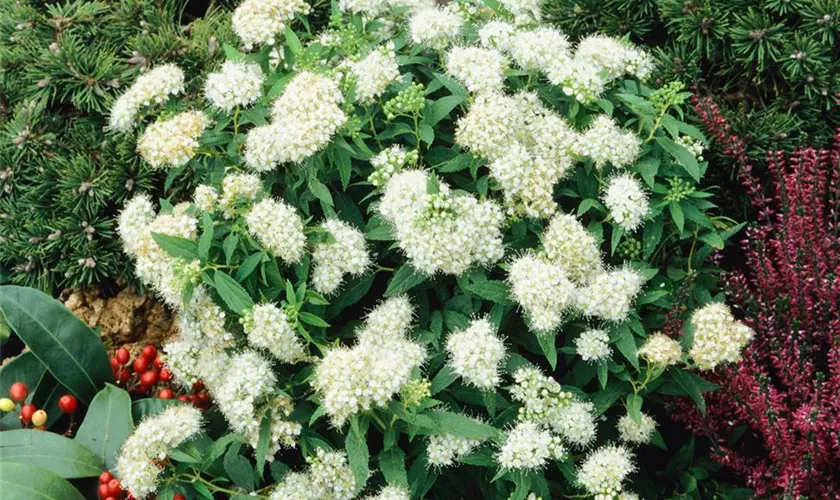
[476, 354]
[542, 289]
[444, 449]
[626, 200]
[279, 228]
[239, 191]
[434, 27]
[528, 446]
[258, 22]
[391, 493]
[605, 142]
[496, 35]
[343, 252]
[718, 337]
[480, 70]
[172, 142]
[268, 327]
[328, 476]
[235, 84]
[634, 432]
[571, 246]
[604, 470]
[610, 294]
[593, 345]
[524, 11]
[539, 49]
[152, 87]
[374, 73]
[660, 349]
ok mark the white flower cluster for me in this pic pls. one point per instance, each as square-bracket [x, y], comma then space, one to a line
[205, 198]
[304, 119]
[605, 142]
[328, 478]
[441, 232]
[571, 246]
[542, 290]
[172, 142]
[279, 228]
[346, 253]
[391, 493]
[538, 49]
[476, 354]
[166, 275]
[610, 294]
[718, 337]
[626, 200]
[257, 22]
[593, 345]
[524, 11]
[236, 84]
[375, 72]
[268, 327]
[434, 27]
[388, 162]
[137, 465]
[602, 472]
[660, 349]
[444, 449]
[238, 191]
[636, 432]
[545, 403]
[350, 380]
[496, 35]
[529, 446]
[153, 87]
[527, 146]
[481, 70]
[695, 147]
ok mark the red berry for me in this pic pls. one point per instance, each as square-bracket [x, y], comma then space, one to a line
[103, 491]
[195, 400]
[115, 365]
[105, 477]
[204, 398]
[157, 364]
[165, 375]
[178, 496]
[141, 364]
[111, 498]
[26, 413]
[18, 392]
[141, 389]
[114, 488]
[149, 378]
[184, 398]
[68, 404]
[124, 375]
[149, 352]
[123, 356]
[165, 394]
[198, 386]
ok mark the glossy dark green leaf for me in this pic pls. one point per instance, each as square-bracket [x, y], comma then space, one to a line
[25, 368]
[71, 351]
[358, 454]
[548, 344]
[20, 481]
[149, 407]
[682, 155]
[61, 455]
[404, 279]
[107, 425]
[236, 298]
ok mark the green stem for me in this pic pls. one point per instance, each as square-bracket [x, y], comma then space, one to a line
[217, 489]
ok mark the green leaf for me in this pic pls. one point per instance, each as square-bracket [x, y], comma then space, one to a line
[107, 425]
[59, 454]
[239, 469]
[392, 465]
[25, 368]
[443, 379]
[459, 425]
[404, 279]
[682, 155]
[634, 407]
[249, 265]
[651, 236]
[19, 481]
[691, 388]
[427, 133]
[627, 345]
[311, 319]
[177, 246]
[713, 239]
[231, 53]
[71, 351]
[677, 215]
[229, 246]
[206, 239]
[263, 441]
[352, 293]
[293, 41]
[492, 290]
[441, 108]
[236, 298]
[149, 407]
[602, 374]
[548, 345]
[358, 454]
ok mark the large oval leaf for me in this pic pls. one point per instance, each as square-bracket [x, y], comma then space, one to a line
[61, 455]
[23, 368]
[29, 481]
[107, 425]
[71, 351]
[149, 407]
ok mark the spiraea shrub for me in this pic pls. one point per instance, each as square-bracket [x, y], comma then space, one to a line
[433, 252]
[62, 179]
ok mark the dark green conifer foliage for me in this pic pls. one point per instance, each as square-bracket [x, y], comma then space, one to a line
[773, 64]
[62, 176]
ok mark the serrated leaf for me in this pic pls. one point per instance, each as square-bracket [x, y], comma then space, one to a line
[634, 408]
[441, 108]
[404, 279]
[682, 155]
[358, 454]
[392, 465]
[311, 319]
[249, 265]
[626, 345]
[176, 246]
[677, 215]
[232, 293]
[548, 345]
[206, 239]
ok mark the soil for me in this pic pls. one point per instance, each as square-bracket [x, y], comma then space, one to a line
[124, 319]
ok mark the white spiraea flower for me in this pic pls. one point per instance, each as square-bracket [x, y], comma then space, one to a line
[137, 464]
[605, 142]
[351, 380]
[346, 253]
[695, 147]
[488, 127]
[614, 57]
[626, 200]
[329, 477]
[371, 8]
[610, 294]
[571, 246]
[133, 223]
[257, 22]
[441, 232]
[435, 27]
[268, 327]
[389, 162]
[496, 35]
[206, 198]
[172, 142]
[718, 337]
[529, 446]
[279, 228]
[524, 11]
[476, 354]
[235, 84]
[636, 432]
[579, 79]
[593, 345]
[660, 349]
[539, 49]
[153, 87]
[239, 191]
[374, 73]
[392, 493]
[575, 421]
[542, 289]
[444, 449]
[602, 473]
[481, 70]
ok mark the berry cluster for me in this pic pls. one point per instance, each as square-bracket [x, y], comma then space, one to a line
[29, 413]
